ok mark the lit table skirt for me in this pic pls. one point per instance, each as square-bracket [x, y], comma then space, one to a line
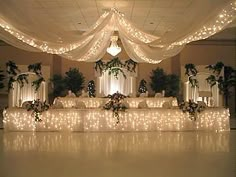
[158, 119]
[152, 102]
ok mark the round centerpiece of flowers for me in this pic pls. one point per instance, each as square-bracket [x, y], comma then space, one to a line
[116, 104]
[192, 108]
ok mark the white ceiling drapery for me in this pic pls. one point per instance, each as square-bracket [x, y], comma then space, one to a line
[92, 44]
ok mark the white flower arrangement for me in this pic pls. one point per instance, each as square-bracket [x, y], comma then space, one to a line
[192, 108]
[37, 107]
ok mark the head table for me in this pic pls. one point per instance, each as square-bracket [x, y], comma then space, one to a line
[88, 120]
[152, 102]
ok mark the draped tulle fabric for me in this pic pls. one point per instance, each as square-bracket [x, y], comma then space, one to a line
[35, 33]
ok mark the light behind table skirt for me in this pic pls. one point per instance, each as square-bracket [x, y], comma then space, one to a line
[159, 119]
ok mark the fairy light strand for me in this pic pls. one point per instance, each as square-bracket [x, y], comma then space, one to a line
[116, 20]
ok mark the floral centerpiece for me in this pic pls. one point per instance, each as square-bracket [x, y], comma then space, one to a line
[116, 104]
[37, 107]
[192, 108]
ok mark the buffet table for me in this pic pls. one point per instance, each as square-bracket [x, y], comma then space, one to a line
[87, 120]
[152, 102]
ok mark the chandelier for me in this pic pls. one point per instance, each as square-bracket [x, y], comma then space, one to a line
[114, 49]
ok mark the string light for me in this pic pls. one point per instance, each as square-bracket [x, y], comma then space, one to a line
[214, 119]
[114, 20]
[223, 19]
[133, 102]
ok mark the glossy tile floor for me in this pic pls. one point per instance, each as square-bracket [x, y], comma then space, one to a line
[145, 154]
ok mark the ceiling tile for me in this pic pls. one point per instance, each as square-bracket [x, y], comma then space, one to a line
[90, 12]
[86, 3]
[162, 3]
[105, 4]
[141, 12]
[143, 3]
[181, 3]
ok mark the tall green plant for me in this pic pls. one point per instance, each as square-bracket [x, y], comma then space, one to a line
[74, 80]
[158, 80]
[172, 85]
[162, 81]
[59, 85]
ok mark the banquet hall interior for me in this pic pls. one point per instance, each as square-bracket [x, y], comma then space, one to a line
[117, 88]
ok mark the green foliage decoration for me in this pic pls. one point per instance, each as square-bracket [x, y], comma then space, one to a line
[12, 68]
[58, 85]
[217, 68]
[225, 82]
[115, 104]
[37, 83]
[74, 80]
[158, 80]
[191, 72]
[130, 65]
[22, 79]
[142, 86]
[37, 107]
[172, 85]
[91, 88]
[114, 67]
[12, 71]
[36, 68]
[162, 81]
[99, 65]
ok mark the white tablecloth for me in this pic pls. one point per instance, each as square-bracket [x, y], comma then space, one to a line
[157, 119]
[152, 102]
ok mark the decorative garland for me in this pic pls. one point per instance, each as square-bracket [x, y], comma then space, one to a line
[13, 70]
[22, 79]
[217, 68]
[224, 82]
[115, 66]
[192, 108]
[36, 68]
[191, 71]
[37, 107]
[115, 104]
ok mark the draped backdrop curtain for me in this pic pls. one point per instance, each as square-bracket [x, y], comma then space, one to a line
[39, 33]
[110, 84]
[18, 95]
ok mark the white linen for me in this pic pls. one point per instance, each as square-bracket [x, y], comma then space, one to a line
[158, 119]
[133, 102]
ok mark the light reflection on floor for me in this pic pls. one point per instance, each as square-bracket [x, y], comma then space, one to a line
[161, 154]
